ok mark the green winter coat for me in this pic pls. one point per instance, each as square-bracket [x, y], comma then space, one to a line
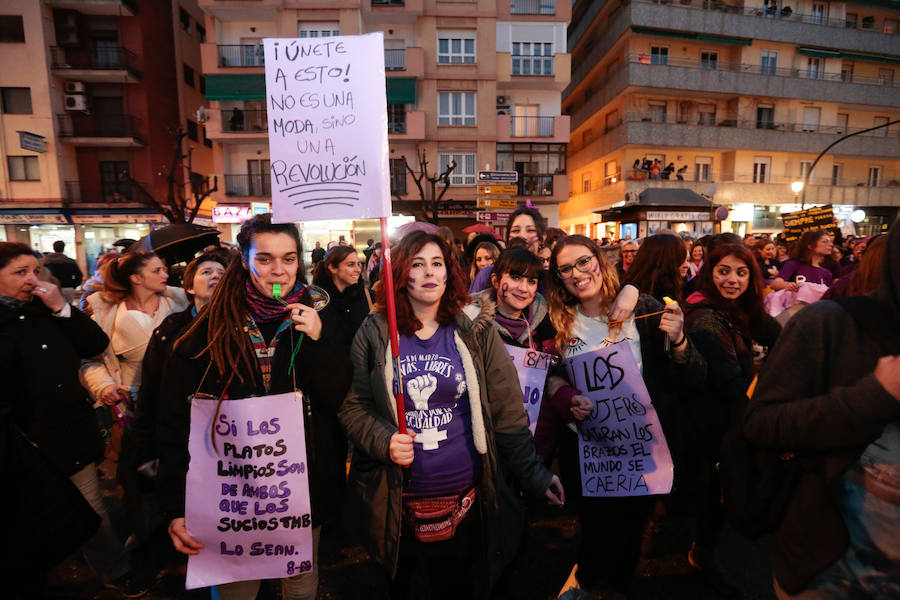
[499, 429]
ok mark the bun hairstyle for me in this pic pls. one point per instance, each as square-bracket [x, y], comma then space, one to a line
[117, 274]
[333, 258]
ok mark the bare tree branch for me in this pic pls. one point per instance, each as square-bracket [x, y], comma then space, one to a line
[428, 186]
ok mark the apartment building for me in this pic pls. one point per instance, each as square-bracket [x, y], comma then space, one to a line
[474, 82]
[740, 98]
[99, 89]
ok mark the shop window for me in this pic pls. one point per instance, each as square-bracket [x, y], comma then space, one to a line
[16, 100]
[464, 172]
[23, 168]
[456, 47]
[12, 29]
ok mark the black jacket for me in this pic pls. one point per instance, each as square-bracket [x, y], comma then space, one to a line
[63, 268]
[818, 395]
[321, 373]
[350, 306]
[40, 355]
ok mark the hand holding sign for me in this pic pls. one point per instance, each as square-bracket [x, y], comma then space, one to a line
[181, 539]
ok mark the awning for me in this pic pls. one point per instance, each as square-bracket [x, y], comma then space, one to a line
[400, 90]
[672, 197]
[819, 53]
[682, 35]
[822, 53]
[235, 87]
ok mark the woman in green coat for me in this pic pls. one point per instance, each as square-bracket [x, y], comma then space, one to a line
[452, 505]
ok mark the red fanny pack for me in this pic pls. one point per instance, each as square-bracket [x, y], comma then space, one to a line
[435, 519]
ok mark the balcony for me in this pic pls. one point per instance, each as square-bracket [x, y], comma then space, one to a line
[410, 128]
[553, 129]
[404, 62]
[97, 65]
[249, 10]
[392, 11]
[528, 72]
[240, 55]
[121, 131]
[110, 8]
[733, 79]
[250, 121]
[254, 186]
[532, 7]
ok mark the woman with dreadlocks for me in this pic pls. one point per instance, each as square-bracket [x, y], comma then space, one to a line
[241, 345]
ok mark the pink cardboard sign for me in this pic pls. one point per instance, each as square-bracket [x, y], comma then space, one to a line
[247, 499]
[622, 450]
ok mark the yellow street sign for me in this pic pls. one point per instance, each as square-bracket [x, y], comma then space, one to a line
[498, 189]
[496, 202]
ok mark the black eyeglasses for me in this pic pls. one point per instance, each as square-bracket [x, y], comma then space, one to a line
[583, 264]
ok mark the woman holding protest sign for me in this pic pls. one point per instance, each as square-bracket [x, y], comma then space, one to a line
[244, 344]
[810, 261]
[582, 288]
[453, 506]
[725, 316]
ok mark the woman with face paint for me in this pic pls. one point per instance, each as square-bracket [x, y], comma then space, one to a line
[525, 223]
[582, 287]
[439, 492]
[724, 317]
[242, 344]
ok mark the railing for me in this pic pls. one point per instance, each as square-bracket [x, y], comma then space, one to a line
[688, 176]
[531, 126]
[532, 7]
[759, 69]
[701, 119]
[396, 126]
[100, 58]
[237, 120]
[398, 183]
[241, 55]
[535, 185]
[120, 191]
[98, 126]
[388, 3]
[248, 185]
[785, 14]
[394, 59]
[72, 191]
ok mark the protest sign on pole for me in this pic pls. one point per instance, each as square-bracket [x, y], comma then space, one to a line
[812, 219]
[532, 367]
[327, 111]
[247, 498]
[622, 450]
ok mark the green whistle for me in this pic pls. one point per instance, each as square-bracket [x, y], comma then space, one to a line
[276, 290]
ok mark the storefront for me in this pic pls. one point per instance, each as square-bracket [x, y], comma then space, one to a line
[658, 209]
[745, 218]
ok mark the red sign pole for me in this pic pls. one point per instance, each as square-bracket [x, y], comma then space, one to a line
[387, 277]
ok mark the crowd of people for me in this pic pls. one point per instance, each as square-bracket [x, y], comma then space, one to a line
[125, 357]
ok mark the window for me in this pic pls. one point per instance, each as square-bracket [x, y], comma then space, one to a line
[398, 176]
[709, 60]
[837, 173]
[610, 172]
[765, 116]
[771, 7]
[819, 13]
[201, 34]
[12, 29]
[206, 141]
[885, 77]
[396, 118]
[456, 47]
[768, 62]
[811, 117]
[703, 168]
[192, 132]
[706, 114]
[316, 30]
[185, 19]
[842, 120]
[890, 26]
[16, 100]
[536, 164]
[201, 80]
[532, 58]
[612, 120]
[851, 20]
[805, 166]
[762, 167]
[659, 55]
[586, 136]
[883, 132]
[656, 111]
[188, 75]
[114, 184]
[585, 183]
[875, 174]
[23, 168]
[464, 172]
[814, 68]
[456, 108]
[847, 72]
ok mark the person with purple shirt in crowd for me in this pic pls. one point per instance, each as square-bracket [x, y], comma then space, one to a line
[466, 433]
[811, 258]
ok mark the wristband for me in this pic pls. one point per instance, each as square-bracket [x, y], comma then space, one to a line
[680, 342]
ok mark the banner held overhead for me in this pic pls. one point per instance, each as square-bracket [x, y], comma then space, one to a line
[327, 127]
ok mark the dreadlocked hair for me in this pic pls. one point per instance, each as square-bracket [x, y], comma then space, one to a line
[227, 344]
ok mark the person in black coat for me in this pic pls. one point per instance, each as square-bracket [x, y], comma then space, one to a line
[339, 275]
[221, 355]
[42, 342]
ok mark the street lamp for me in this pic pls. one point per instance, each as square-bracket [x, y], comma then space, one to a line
[797, 187]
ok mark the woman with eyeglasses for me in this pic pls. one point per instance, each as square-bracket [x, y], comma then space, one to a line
[582, 288]
[628, 250]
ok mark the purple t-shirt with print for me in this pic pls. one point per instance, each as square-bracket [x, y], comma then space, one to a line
[437, 410]
[791, 268]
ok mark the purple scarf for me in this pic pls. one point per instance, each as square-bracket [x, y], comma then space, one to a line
[263, 308]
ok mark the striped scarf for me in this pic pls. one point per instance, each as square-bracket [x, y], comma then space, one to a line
[263, 308]
[265, 352]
